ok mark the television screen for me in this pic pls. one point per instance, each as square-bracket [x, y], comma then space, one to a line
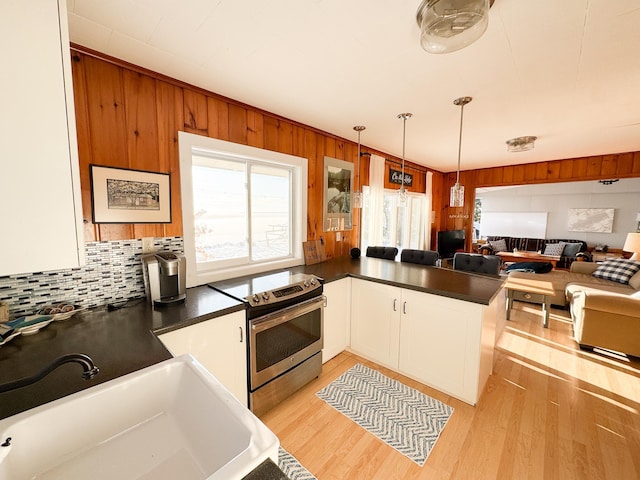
[450, 242]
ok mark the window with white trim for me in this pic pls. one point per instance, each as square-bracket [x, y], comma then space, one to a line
[244, 208]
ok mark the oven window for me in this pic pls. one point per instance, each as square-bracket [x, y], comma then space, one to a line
[280, 342]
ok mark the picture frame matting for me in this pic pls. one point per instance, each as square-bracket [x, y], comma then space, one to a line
[120, 195]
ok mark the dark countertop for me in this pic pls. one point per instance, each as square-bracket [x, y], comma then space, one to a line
[119, 342]
[267, 470]
[124, 340]
[438, 281]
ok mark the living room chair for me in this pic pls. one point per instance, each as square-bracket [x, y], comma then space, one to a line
[607, 320]
[422, 257]
[388, 253]
[477, 263]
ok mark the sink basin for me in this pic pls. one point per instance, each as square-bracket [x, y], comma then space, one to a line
[171, 420]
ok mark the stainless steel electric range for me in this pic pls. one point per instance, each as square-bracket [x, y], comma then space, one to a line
[285, 323]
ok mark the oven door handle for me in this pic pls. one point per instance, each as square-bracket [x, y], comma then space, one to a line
[286, 314]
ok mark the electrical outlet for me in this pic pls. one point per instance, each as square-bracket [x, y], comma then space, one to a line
[338, 237]
[148, 245]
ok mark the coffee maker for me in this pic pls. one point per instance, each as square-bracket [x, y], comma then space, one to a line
[165, 278]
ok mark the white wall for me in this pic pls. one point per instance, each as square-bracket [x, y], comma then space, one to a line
[557, 198]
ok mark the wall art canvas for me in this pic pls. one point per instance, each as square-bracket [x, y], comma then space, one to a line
[130, 196]
[592, 220]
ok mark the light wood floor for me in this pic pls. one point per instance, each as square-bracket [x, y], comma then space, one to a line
[549, 411]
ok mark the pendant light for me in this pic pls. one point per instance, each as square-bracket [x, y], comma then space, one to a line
[457, 191]
[450, 25]
[402, 193]
[357, 195]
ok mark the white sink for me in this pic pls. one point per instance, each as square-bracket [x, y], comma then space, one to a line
[173, 420]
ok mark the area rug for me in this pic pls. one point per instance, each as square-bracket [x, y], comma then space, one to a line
[400, 416]
[292, 467]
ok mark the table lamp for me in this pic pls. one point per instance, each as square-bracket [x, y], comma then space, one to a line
[632, 244]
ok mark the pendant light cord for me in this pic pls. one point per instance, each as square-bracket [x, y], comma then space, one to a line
[460, 143]
[404, 131]
[404, 117]
[358, 162]
[357, 195]
[462, 101]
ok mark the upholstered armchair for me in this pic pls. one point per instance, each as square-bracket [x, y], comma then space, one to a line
[608, 320]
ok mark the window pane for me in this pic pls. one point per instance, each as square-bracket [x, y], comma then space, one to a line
[403, 226]
[417, 222]
[220, 209]
[270, 212]
[388, 220]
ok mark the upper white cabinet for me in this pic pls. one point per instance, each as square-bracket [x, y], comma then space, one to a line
[336, 318]
[220, 346]
[40, 203]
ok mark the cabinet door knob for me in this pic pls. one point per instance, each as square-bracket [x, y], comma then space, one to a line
[395, 300]
[404, 308]
[241, 335]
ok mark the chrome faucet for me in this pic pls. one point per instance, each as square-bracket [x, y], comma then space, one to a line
[89, 370]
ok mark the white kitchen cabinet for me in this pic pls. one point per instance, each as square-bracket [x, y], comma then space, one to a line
[442, 342]
[40, 203]
[375, 321]
[219, 344]
[336, 318]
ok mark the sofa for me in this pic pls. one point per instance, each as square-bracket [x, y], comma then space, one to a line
[605, 313]
[535, 245]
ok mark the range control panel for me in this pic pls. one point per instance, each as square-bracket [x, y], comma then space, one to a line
[302, 285]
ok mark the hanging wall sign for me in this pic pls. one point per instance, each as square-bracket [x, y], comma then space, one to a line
[395, 176]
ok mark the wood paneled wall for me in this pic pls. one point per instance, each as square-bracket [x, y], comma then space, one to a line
[621, 165]
[129, 117]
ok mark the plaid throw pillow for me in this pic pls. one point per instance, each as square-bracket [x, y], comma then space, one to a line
[554, 249]
[498, 245]
[617, 269]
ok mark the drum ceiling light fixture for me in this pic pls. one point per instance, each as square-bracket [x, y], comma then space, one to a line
[450, 25]
[521, 144]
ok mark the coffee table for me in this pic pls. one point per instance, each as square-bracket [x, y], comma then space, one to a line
[525, 256]
[529, 290]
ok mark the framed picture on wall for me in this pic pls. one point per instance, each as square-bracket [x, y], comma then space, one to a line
[121, 195]
[595, 220]
[338, 185]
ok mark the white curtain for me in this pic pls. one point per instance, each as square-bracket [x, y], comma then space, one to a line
[374, 210]
[429, 216]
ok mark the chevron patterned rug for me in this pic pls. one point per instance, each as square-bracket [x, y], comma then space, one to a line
[400, 416]
[292, 467]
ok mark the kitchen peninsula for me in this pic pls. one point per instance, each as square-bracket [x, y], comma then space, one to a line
[459, 305]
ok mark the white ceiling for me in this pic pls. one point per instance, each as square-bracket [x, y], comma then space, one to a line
[565, 71]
